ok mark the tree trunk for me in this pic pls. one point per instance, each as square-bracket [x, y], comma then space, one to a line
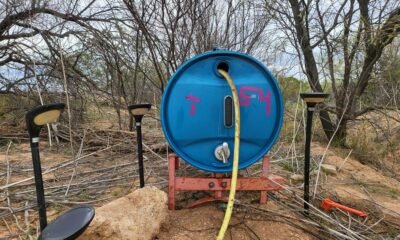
[341, 134]
[327, 124]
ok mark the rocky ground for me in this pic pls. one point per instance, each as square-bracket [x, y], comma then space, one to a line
[106, 170]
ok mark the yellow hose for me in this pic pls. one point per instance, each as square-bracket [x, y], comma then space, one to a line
[231, 201]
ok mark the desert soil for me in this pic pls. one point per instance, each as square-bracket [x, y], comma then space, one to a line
[356, 185]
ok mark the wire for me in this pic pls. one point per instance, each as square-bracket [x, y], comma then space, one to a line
[235, 168]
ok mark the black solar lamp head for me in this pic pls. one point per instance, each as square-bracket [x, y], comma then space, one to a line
[139, 110]
[42, 115]
[72, 223]
[313, 98]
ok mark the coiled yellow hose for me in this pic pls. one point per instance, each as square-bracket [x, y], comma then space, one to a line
[231, 200]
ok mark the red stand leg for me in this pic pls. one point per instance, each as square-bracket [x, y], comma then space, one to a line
[172, 167]
[219, 184]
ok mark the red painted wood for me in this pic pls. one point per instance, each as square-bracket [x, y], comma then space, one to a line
[171, 181]
[219, 184]
[243, 184]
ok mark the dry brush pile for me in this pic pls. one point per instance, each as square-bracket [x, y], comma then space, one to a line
[104, 167]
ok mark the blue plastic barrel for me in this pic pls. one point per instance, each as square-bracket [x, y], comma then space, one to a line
[196, 110]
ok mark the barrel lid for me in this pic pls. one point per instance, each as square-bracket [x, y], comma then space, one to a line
[195, 107]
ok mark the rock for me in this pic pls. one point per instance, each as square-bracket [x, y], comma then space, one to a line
[138, 215]
[328, 169]
[296, 178]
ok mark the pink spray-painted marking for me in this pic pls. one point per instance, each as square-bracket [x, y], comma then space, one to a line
[245, 100]
[194, 100]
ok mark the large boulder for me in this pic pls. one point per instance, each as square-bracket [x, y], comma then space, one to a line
[138, 215]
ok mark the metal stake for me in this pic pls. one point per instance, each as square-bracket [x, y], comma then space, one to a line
[310, 113]
[37, 169]
[140, 151]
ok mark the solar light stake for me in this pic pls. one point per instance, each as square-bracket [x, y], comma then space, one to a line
[37, 169]
[138, 111]
[310, 113]
[140, 152]
[311, 100]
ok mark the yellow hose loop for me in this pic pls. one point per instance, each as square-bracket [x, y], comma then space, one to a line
[231, 201]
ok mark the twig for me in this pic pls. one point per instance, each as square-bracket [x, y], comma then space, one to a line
[8, 173]
[345, 160]
[157, 155]
[75, 162]
[59, 166]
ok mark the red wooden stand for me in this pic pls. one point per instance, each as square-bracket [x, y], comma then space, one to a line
[218, 184]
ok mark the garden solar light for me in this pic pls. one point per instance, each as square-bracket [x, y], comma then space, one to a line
[138, 111]
[73, 223]
[311, 99]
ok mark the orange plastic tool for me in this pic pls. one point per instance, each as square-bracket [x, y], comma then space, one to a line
[327, 204]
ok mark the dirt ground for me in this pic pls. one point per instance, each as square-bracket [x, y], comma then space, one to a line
[355, 185]
[204, 222]
[109, 172]
[356, 182]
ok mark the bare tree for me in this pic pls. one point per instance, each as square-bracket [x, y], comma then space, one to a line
[177, 30]
[35, 36]
[346, 38]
